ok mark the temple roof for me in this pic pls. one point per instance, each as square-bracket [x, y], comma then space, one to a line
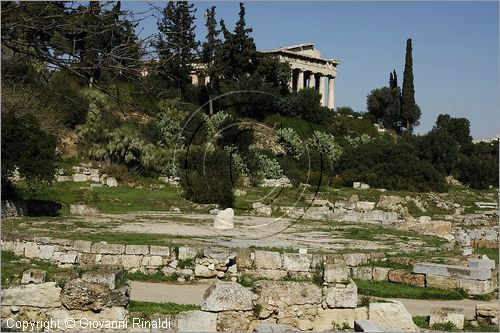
[306, 50]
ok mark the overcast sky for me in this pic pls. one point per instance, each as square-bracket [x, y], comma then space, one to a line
[455, 49]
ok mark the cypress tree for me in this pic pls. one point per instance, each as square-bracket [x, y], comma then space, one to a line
[176, 42]
[211, 47]
[410, 111]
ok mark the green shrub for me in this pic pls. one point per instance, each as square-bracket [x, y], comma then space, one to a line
[267, 167]
[28, 149]
[290, 141]
[206, 177]
[325, 145]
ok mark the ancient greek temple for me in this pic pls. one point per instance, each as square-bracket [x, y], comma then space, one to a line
[308, 70]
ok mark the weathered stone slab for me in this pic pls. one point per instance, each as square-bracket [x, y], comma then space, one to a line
[286, 293]
[187, 253]
[227, 296]
[159, 250]
[452, 271]
[271, 327]
[137, 249]
[105, 248]
[407, 277]
[295, 262]
[481, 263]
[82, 246]
[204, 271]
[31, 250]
[355, 259]
[381, 273]
[444, 315]
[342, 295]
[197, 321]
[336, 272]
[362, 325]
[267, 260]
[365, 206]
[131, 261]
[244, 258]
[392, 314]
[152, 261]
[79, 294]
[476, 287]
[487, 310]
[328, 319]
[107, 276]
[441, 282]
[363, 273]
[44, 295]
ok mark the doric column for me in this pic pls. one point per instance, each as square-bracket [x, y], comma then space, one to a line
[312, 80]
[290, 82]
[331, 97]
[300, 80]
[321, 89]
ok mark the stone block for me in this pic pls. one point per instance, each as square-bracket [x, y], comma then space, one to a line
[476, 287]
[273, 274]
[111, 182]
[82, 246]
[244, 259]
[481, 263]
[444, 315]
[295, 262]
[381, 273]
[137, 249]
[79, 209]
[365, 206]
[355, 259]
[424, 219]
[31, 250]
[33, 275]
[336, 272]
[224, 219]
[267, 260]
[342, 295]
[105, 248]
[80, 177]
[43, 295]
[159, 250]
[152, 261]
[441, 282]
[407, 277]
[204, 271]
[70, 257]
[363, 325]
[281, 294]
[196, 321]
[487, 310]
[452, 271]
[187, 253]
[107, 276]
[363, 273]
[109, 259]
[328, 319]
[223, 255]
[391, 315]
[130, 261]
[262, 209]
[46, 251]
[227, 296]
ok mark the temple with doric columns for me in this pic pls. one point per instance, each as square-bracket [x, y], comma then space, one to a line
[308, 70]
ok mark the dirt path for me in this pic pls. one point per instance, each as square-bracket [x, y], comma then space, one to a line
[192, 293]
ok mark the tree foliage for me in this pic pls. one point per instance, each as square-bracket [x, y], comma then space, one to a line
[410, 111]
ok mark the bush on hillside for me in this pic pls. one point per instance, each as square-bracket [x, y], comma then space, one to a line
[206, 177]
[394, 166]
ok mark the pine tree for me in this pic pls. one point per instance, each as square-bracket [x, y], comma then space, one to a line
[410, 111]
[176, 43]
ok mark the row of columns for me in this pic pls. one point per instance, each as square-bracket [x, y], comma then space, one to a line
[326, 100]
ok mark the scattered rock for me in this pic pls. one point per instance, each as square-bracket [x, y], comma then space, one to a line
[33, 275]
[79, 294]
[224, 219]
[82, 210]
[392, 314]
[111, 182]
[226, 296]
[262, 209]
[444, 315]
[342, 295]
[43, 295]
